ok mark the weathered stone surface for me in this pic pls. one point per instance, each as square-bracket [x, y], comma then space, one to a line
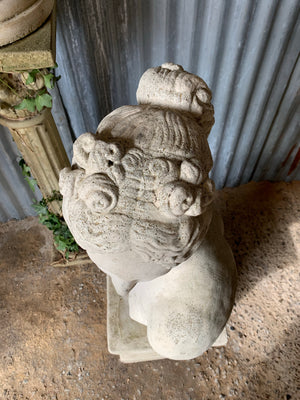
[139, 200]
[18, 18]
[186, 309]
[36, 50]
[11, 8]
[128, 338]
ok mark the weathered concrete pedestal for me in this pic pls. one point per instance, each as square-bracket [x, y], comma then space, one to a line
[126, 337]
[36, 50]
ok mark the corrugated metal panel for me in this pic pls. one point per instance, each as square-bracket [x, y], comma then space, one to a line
[246, 50]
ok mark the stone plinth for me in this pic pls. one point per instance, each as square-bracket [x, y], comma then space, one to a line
[126, 337]
[36, 50]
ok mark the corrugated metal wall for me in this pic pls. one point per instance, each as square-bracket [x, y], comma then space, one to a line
[246, 50]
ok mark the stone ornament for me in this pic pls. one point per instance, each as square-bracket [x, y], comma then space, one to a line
[139, 199]
[19, 18]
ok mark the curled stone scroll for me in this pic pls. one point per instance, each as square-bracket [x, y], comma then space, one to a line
[139, 199]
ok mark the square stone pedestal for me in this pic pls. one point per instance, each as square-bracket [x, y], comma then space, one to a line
[128, 338]
[36, 50]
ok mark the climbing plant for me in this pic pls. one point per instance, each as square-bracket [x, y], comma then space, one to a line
[27, 175]
[63, 238]
[39, 98]
[30, 88]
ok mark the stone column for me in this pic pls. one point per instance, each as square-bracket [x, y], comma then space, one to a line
[34, 132]
[39, 142]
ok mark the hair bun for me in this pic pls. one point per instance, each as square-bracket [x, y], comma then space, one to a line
[170, 86]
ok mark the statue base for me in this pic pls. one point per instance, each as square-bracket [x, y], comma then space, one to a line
[126, 337]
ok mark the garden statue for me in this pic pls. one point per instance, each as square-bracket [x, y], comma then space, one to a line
[139, 200]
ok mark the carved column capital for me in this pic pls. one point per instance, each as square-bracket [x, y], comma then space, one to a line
[13, 90]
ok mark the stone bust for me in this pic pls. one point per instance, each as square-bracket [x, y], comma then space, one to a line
[139, 200]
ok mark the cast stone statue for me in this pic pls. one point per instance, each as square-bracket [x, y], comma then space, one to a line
[139, 200]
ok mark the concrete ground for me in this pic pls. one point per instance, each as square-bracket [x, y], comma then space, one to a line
[53, 320]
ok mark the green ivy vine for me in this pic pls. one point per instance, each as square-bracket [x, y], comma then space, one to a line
[40, 98]
[37, 81]
[62, 237]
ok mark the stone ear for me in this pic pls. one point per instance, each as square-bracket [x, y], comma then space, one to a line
[196, 207]
[99, 193]
[67, 179]
[190, 172]
[174, 199]
[82, 148]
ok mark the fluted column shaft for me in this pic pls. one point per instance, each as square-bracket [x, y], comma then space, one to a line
[39, 142]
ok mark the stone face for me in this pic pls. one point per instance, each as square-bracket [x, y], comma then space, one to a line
[139, 200]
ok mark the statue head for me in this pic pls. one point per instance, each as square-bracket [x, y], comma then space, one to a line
[138, 195]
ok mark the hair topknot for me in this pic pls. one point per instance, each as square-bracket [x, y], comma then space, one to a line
[170, 86]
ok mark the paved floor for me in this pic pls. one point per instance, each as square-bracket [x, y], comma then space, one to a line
[53, 320]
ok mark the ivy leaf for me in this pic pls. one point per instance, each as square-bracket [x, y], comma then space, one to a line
[26, 171]
[29, 80]
[26, 104]
[27, 174]
[63, 239]
[60, 245]
[31, 76]
[43, 100]
[32, 183]
[48, 79]
[40, 208]
[24, 167]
